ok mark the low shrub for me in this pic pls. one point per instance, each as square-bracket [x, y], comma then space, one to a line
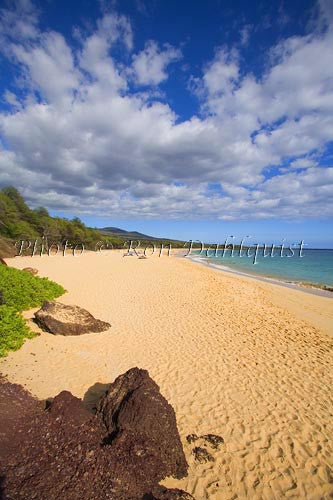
[13, 330]
[20, 290]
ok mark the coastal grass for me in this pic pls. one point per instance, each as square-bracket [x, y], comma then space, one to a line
[20, 290]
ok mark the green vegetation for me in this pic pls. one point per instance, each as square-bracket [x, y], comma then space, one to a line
[20, 290]
[7, 248]
[18, 221]
[13, 330]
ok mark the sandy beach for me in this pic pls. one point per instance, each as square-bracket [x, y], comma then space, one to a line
[248, 360]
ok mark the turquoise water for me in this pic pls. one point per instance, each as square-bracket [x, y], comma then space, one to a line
[316, 266]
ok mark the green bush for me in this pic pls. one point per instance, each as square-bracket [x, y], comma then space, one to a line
[21, 290]
[13, 330]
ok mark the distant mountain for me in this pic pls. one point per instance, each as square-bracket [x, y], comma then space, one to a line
[135, 235]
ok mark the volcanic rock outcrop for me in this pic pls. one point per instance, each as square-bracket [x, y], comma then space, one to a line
[134, 411]
[63, 319]
[61, 450]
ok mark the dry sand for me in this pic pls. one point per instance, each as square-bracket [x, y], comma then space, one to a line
[247, 360]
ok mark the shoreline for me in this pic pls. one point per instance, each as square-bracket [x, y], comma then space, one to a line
[294, 285]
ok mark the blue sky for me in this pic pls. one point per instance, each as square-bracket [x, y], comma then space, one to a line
[188, 120]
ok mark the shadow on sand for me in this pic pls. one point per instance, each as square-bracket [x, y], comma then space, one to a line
[93, 395]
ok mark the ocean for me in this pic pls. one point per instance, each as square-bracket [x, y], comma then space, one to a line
[315, 266]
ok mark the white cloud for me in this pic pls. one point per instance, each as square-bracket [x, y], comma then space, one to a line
[303, 163]
[49, 67]
[149, 65]
[21, 21]
[78, 140]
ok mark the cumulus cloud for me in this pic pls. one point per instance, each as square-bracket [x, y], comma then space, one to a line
[150, 65]
[78, 138]
[303, 163]
[19, 21]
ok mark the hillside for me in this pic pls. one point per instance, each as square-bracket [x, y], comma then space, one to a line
[135, 235]
[7, 248]
[116, 231]
[18, 221]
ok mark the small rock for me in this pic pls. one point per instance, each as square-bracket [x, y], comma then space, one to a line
[202, 455]
[30, 270]
[191, 438]
[214, 440]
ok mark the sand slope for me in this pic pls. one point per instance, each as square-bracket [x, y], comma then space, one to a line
[229, 357]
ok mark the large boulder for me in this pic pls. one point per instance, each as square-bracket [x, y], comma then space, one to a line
[140, 420]
[62, 319]
[60, 450]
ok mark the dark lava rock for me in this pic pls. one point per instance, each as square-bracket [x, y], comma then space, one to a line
[30, 270]
[162, 493]
[141, 421]
[202, 455]
[191, 438]
[62, 319]
[16, 407]
[69, 408]
[214, 440]
[65, 452]
[45, 456]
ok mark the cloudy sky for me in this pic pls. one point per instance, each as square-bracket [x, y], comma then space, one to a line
[172, 117]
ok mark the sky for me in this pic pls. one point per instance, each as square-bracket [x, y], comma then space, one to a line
[189, 120]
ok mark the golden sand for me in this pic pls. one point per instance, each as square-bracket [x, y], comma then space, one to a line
[247, 360]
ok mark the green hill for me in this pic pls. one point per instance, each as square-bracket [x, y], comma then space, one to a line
[19, 222]
[136, 236]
